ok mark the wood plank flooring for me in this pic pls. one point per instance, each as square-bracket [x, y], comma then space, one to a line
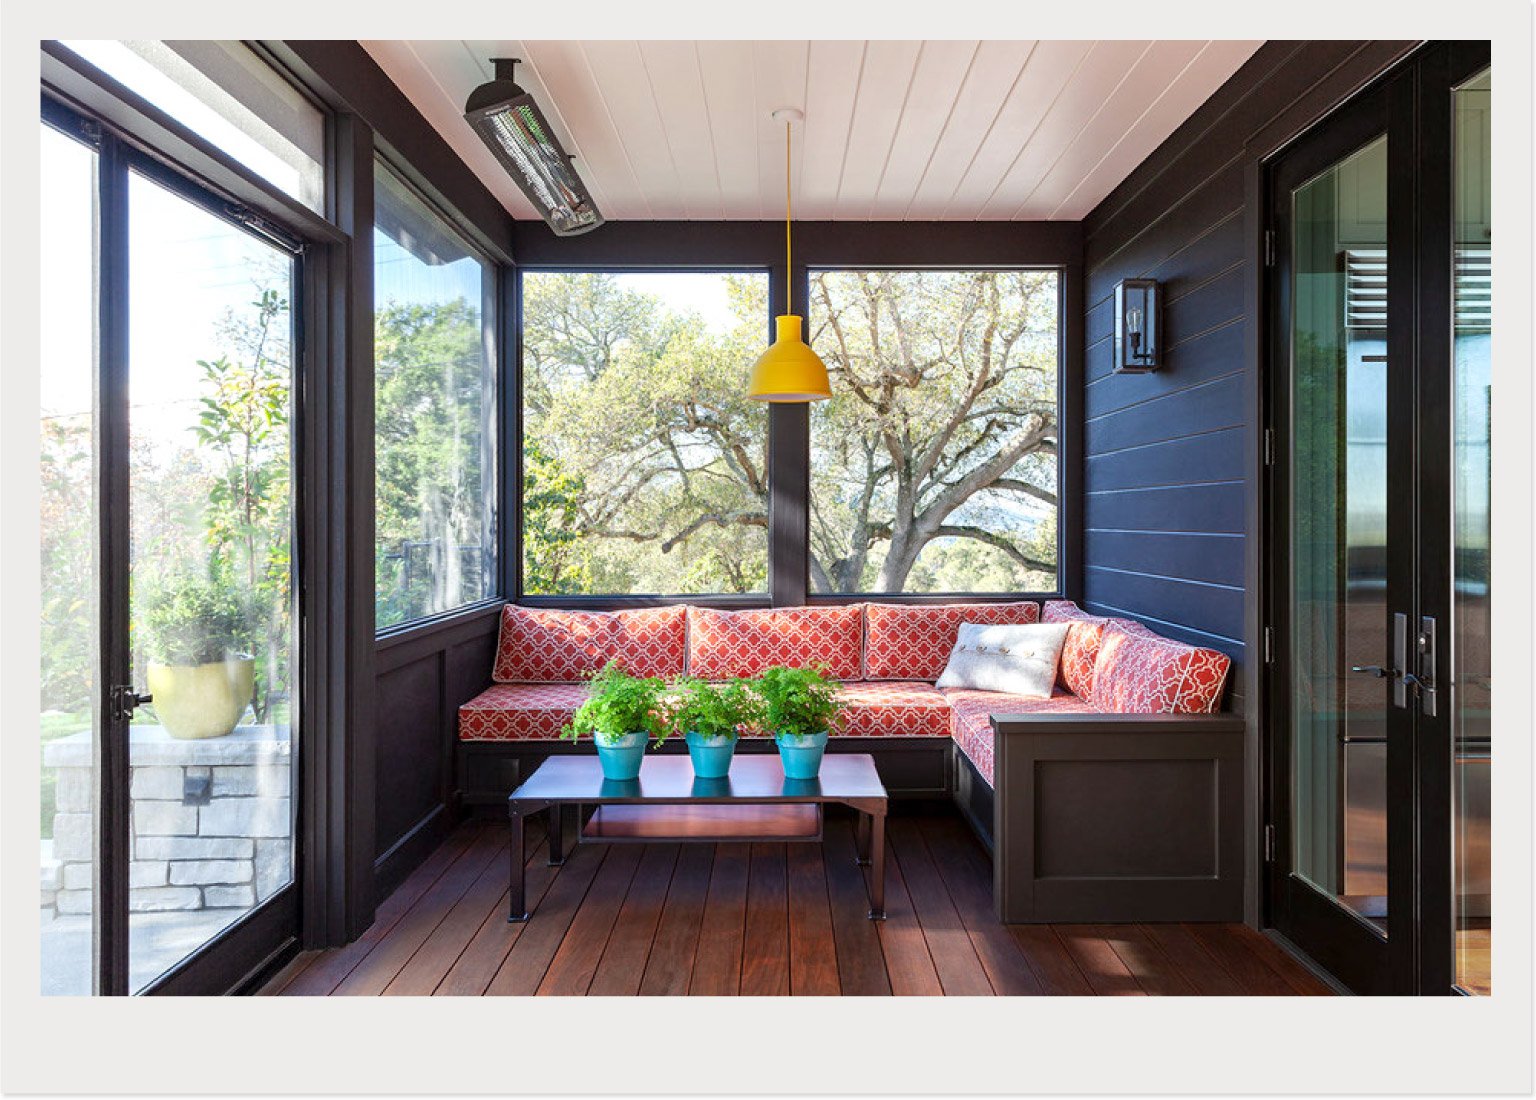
[761, 920]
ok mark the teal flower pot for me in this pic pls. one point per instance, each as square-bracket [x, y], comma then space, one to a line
[620, 756]
[801, 753]
[711, 756]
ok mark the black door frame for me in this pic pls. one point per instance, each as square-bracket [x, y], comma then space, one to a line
[1412, 106]
[250, 946]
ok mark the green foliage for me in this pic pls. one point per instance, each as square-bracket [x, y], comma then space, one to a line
[799, 701]
[717, 710]
[554, 556]
[192, 620]
[433, 464]
[619, 704]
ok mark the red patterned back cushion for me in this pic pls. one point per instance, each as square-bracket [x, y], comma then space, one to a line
[551, 647]
[1141, 673]
[722, 644]
[1080, 652]
[913, 641]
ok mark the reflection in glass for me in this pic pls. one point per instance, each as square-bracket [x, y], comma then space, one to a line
[211, 584]
[1471, 657]
[434, 411]
[933, 465]
[644, 462]
[67, 720]
[1338, 553]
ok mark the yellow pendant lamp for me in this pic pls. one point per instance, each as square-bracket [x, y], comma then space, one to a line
[789, 370]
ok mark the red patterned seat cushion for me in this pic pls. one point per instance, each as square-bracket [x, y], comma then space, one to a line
[520, 712]
[723, 644]
[1080, 652]
[1141, 673]
[913, 641]
[971, 712]
[546, 646]
[894, 709]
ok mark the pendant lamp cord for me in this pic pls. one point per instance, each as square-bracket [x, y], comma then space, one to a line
[789, 278]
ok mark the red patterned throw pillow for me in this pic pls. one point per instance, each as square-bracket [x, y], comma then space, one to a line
[914, 641]
[1080, 652]
[541, 646]
[723, 644]
[1141, 673]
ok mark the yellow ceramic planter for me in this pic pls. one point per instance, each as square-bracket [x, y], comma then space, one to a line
[194, 702]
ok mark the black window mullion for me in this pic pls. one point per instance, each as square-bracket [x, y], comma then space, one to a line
[110, 904]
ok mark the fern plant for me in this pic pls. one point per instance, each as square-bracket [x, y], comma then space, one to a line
[619, 704]
[717, 710]
[799, 702]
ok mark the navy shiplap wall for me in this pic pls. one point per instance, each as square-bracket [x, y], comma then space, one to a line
[1169, 470]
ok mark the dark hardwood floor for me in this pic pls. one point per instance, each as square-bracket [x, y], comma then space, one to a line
[761, 920]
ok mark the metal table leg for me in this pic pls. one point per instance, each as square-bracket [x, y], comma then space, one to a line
[557, 817]
[517, 905]
[877, 861]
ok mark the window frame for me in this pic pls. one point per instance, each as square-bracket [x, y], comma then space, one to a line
[730, 601]
[493, 297]
[625, 247]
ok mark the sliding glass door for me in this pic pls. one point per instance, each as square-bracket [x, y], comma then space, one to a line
[169, 715]
[1379, 519]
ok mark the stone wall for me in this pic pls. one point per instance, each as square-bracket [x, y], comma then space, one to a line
[212, 820]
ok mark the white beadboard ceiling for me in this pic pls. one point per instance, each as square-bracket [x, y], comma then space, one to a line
[894, 130]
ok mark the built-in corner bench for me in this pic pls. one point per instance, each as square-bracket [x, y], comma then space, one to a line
[1119, 798]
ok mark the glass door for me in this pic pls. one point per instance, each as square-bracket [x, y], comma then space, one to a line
[168, 717]
[210, 502]
[1378, 692]
[1344, 546]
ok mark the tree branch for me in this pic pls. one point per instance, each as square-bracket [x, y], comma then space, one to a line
[991, 538]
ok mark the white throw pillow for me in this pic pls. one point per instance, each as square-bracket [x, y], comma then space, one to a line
[1020, 660]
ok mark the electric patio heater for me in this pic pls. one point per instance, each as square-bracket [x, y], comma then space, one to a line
[511, 124]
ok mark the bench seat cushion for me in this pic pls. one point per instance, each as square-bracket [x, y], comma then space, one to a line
[971, 714]
[726, 644]
[550, 647]
[914, 641]
[896, 709]
[520, 712]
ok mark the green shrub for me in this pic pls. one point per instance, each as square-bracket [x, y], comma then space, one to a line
[620, 704]
[799, 701]
[717, 710]
[191, 620]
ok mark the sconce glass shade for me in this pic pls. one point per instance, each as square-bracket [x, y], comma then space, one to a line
[789, 370]
[1138, 329]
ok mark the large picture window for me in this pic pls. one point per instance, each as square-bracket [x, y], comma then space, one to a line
[434, 411]
[644, 464]
[934, 465]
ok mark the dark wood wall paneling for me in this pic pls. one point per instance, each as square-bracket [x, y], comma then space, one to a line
[1171, 463]
[408, 683]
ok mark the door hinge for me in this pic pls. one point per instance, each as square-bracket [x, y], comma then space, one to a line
[1269, 844]
[1269, 248]
[1269, 645]
[1269, 447]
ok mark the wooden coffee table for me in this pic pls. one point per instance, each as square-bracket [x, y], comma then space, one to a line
[669, 803]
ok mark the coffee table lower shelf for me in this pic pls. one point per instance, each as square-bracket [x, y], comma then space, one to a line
[668, 804]
[717, 823]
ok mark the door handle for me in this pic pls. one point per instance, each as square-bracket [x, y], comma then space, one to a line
[1428, 697]
[125, 701]
[1374, 670]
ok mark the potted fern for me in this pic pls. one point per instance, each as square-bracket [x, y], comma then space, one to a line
[802, 707]
[622, 713]
[712, 717]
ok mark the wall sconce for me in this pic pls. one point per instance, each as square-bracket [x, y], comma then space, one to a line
[1138, 331]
